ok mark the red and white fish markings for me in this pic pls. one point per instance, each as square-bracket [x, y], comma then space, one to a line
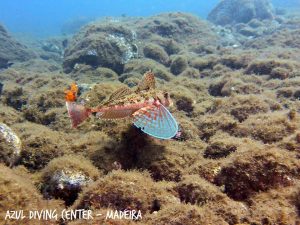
[146, 105]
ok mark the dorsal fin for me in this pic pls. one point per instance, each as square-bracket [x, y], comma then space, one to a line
[148, 82]
[119, 93]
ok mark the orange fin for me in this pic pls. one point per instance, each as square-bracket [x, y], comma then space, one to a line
[78, 113]
[71, 94]
[148, 82]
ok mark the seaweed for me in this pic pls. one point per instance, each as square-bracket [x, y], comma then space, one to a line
[268, 128]
[178, 64]
[121, 190]
[251, 173]
[197, 191]
[21, 194]
[156, 53]
[66, 176]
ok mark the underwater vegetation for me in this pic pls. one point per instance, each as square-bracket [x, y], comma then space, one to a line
[234, 82]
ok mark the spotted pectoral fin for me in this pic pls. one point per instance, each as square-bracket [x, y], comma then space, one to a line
[121, 92]
[148, 82]
[156, 121]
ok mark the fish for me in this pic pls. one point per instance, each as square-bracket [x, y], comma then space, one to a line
[144, 104]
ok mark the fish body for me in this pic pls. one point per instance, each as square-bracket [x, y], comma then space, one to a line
[129, 104]
[145, 105]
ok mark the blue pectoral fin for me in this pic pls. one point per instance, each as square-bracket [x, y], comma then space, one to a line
[156, 121]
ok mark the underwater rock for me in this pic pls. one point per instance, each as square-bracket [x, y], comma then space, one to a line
[169, 44]
[44, 107]
[53, 45]
[92, 75]
[232, 212]
[280, 73]
[141, 66]
[275, 206]
[223, 146]
[11, 50]
[275, 68]
[184, 103]
[248, 31]
[178, 64]
[209, 124]
[156, 53]
[241, 107]
[197, 191]
[269, 128]
[170, 163]
[38, 65]
[121, 190]
[102, 44]
[14, 96]
[183, 214]
[10, 145]
[111, 218]
[297, 94]
[190, 73]
[230, 86]
[178, 27]
[241, 11]
[255, 23]
[65, 177]
[187, 129]
[1, 88]
[52, 49]
[285, 92]
[107, 73]
[255, 29]
[40, 145]
[131, 79]
[286, 36]
[112, 44]
[217, 150]
[202, 63]
[9, 115]
[236, 61]
[251, 173]
[21, 194]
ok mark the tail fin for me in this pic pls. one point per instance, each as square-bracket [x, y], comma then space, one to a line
[78, 113]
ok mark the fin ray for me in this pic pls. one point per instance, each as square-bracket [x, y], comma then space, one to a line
[77, 113]
[148, 82]
[158, 122]
[119, 93]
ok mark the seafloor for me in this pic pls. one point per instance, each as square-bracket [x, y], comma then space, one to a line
[236, 99]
